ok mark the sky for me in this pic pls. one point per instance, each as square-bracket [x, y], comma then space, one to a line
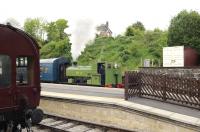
[84, 15]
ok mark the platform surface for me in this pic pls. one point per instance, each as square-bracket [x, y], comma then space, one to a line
[84, 90]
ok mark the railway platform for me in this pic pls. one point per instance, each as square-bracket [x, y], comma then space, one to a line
[141, 115]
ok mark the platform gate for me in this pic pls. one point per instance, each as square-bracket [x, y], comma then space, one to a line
[167, 88]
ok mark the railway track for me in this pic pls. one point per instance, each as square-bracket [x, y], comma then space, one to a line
[54, 123]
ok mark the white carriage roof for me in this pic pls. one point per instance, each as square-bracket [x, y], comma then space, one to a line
[51, 60]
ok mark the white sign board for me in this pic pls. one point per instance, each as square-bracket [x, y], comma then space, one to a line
[173, 56]
[147, 63]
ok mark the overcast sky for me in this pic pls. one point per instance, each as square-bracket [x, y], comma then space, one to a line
[85, 15]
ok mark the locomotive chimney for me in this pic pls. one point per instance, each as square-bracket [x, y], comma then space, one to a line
[74, 63]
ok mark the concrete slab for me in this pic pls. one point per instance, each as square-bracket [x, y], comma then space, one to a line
[160, 112]
[95, 130]
[65, 126]
[135, 105]
[55, 123]
[47, 120]
[79, 128]
[167, 106]
[198, 122]
[184, 118]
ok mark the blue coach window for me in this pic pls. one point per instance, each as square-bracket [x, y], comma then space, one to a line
[5, 71]
[46, 70]
[41, 69]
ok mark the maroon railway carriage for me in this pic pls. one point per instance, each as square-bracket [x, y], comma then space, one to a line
[19, 78]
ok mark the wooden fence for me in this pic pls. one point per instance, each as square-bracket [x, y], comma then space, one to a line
[169, 88]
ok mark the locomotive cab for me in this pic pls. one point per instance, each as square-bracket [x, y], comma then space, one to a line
[101, 71]
[110, 74]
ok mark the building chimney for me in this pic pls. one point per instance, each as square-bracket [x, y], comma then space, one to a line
[107, 24]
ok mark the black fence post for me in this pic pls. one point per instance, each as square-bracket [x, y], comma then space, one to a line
[126, 86]
[199, 93]
[139, 84]
[164, 88]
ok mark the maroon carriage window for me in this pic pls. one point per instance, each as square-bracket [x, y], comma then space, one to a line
[24, 70]
[5, 71]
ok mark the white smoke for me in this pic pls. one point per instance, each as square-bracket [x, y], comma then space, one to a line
[83, 31]
[13, 22]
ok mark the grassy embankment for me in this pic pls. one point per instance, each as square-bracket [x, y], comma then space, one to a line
[127, 51]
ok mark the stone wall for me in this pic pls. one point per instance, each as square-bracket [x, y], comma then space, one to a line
[112, 115]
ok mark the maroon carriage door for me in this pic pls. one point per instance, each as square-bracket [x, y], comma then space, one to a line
[25, 89]
[5, 82]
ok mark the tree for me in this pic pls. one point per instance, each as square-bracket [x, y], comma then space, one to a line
[134, 29]
[52, 33]
[184, 30]
[58, 43]
[129, 31]
[55, 30]
[36, 28]
[53, 40]
[138, 25]
[57, 49]
[61, 26]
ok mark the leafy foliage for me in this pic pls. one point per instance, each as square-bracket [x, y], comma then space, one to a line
[36, 28]
[138, 25]
[56, 43]
[135, 29]
[56, 49]
[55, 30]
[185, 30]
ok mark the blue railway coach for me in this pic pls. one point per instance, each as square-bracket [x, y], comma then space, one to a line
[53, 69]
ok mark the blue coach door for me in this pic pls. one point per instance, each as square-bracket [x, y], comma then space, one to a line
[62, 72]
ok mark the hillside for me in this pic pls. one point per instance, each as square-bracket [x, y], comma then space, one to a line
[127, 51]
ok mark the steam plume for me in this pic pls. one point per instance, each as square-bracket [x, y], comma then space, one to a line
[83, 32]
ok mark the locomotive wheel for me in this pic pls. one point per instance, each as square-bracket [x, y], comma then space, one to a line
[16, 128]
[3, 127]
